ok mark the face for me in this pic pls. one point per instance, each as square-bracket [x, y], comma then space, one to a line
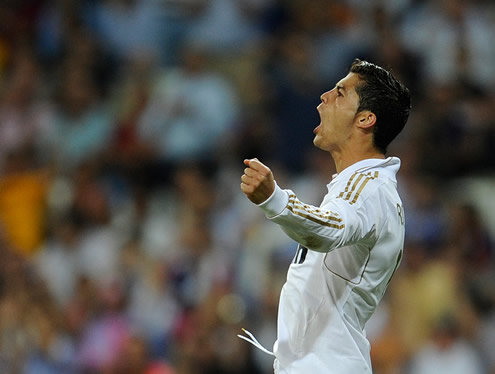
[337, 111]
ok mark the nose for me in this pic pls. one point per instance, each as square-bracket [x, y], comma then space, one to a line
[324, 99]
[324, 96]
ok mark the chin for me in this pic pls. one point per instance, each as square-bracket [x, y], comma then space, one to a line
[317, 143]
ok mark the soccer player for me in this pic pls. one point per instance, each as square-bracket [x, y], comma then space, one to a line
[351, 245]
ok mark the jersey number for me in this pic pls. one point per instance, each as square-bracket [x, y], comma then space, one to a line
[400, 212]
[300, 254]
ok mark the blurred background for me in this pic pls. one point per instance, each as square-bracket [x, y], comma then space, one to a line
[126, 245]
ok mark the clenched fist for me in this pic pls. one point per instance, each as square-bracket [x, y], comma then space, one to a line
[257, 181]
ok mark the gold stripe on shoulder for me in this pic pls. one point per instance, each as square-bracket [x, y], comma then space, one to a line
[356, 196]
[348, 184]
[354, 187]
[363, 184]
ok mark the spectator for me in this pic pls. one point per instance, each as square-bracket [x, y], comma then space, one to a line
[446, 352]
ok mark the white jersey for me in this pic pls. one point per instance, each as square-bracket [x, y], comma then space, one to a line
[349, 248]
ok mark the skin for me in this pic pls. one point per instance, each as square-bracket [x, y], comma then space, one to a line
[343, 132]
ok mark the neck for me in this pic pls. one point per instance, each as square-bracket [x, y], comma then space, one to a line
[344, 158]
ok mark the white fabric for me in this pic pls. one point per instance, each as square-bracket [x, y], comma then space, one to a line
[355, 242]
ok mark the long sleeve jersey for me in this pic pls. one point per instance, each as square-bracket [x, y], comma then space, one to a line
[348, 250]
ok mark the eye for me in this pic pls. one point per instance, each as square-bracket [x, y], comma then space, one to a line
[339, 93]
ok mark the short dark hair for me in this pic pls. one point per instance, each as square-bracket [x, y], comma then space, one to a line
[381, 93]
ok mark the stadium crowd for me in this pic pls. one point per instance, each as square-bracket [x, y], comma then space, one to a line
[126, 245]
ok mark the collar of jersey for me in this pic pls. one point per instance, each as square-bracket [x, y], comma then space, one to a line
[390, 166]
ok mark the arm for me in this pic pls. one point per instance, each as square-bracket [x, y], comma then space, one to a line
[316, 228]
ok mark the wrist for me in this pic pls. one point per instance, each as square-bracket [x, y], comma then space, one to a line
[275, 203]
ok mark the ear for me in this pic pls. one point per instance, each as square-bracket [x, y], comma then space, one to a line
[365, 119]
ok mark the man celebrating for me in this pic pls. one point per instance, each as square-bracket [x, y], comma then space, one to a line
[351, 245]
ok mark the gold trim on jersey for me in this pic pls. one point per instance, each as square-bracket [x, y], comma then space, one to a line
[354, 187]
[319, 212]
[358, 182]
[314, 215]
[308, 209]
[347, 185]
[315, 220]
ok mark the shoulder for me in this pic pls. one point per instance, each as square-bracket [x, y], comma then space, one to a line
[366, 179]
[360, 185]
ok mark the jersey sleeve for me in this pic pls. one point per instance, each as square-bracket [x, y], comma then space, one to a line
[320, 229]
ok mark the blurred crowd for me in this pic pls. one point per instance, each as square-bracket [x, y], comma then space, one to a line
[126, 245]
